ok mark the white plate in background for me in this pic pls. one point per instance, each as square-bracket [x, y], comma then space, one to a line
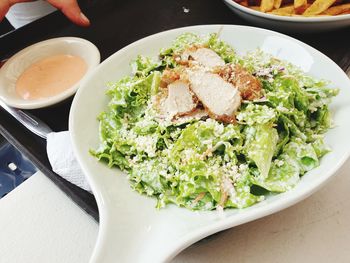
[289, 23]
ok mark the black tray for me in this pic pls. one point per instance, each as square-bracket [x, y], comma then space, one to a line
[116, 24]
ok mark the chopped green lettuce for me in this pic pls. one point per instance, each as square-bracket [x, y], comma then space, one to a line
[260, 146]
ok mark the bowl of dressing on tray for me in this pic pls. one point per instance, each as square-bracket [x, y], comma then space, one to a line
[47, 72]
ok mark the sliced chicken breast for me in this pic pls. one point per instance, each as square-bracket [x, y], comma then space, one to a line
[195, 114]
[169, 76]
[218, 96]
[180, 99]
[249, 86]
[204, 56]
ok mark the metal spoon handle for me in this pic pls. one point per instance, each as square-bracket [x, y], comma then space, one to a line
[32, 123]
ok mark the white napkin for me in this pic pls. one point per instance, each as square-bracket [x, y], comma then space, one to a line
[21, 14]
[62, 159]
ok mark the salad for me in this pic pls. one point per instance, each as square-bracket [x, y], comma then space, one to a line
[204, 128]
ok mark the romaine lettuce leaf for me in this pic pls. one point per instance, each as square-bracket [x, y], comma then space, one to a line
[260, 146]
[283, 175]
[142, 66]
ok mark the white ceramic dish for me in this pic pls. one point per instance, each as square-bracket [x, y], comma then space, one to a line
[14, 67]
[289, 23]
[131, 229]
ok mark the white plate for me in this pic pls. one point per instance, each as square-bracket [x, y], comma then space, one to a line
[289, 23]
[131, 229]
[19, 62]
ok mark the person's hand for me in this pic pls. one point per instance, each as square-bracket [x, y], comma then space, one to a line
[70, 8]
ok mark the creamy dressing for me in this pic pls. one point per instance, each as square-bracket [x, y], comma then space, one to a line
[50, 76]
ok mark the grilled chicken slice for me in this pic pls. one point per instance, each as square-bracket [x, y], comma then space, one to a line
[203, 56]
[179, 101]
[169, 76]
[195, 114]
[220, 98]
[249, 86]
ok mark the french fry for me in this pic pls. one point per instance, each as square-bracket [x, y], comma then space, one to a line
[266, 5]
[302, 9]
[318, 7]
[254, 7]
[300, 6]
[283, 11]
[277, 4]
[313, 16]
[338, 9]
[244, 3]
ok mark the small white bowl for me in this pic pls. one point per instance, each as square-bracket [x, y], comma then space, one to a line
[15, 66]
[289, 23]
